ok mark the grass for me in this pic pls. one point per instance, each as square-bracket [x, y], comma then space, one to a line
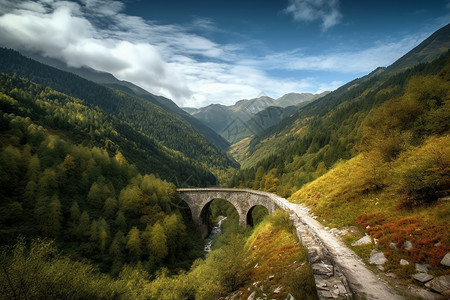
[347, 195]
[281, 261]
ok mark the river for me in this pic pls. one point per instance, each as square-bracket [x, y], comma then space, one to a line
[215, 231]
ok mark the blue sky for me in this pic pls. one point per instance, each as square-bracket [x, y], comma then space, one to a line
[202, 52]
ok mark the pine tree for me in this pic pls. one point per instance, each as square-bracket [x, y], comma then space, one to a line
[134, 243]
[158, 242]
[110, 207]
[54, 219]
[116, 247]
[83, 229]
[121, 221]
[74, 217]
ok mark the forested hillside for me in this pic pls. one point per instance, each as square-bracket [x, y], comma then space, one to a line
[313, 140]
[64, 176]
[396, 186]
[143, 116]
[128, 87]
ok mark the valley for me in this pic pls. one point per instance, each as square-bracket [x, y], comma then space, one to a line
[126, 139]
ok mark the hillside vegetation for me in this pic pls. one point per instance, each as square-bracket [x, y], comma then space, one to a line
[398, 183]
[246, 263]
[310, 142]
[145, 118]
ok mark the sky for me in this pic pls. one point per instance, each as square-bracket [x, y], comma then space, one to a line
[201, 52]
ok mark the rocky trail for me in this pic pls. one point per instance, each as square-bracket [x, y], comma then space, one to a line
[338, 271]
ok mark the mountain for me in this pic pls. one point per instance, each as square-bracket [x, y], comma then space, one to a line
[128, 87]
[319, 135]
[250, 116]
[297, 99]
[428, 50]
[145, 118]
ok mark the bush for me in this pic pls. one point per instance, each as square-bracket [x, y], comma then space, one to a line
[423, 174]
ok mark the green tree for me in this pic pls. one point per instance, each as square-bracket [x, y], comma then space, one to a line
[121, 221]
[110, 207]
[259, 175]
[83, 229]
[134, 244]
[74, 218]
[158, 242]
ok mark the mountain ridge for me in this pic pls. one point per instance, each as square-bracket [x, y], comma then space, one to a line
[250, 116]
[130, 88]
[145, 117]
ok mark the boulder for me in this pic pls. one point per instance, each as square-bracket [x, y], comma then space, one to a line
[323, 269]
[325, 294]
[422, 268]
[380, 267]
[408, 245]
[252, 296]
[392, 246]
[363, 241]
[404, 262]
[421, 293]
[277, 290]
[440, 284]
[321, 284]
[446, 260]
[377, 258]
[422, 277]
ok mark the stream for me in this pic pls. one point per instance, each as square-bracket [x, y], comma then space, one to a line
[215, 231]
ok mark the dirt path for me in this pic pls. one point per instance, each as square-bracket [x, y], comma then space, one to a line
[362, 281]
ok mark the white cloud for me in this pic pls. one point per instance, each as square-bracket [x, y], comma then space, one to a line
[326, 11]
[381, 54]
[171, 60]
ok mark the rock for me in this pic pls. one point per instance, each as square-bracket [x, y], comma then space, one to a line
[252, 296]
[321, 284]
[353, 230]
[341, 287]
[422, 293]
[422, 268]
[391, 275]
[325, 294]
[323, 269]
[404, 262]
[377, 258]
[271, 277]
[363, 241]
[440, 284]
[446, 260]
[408, 245]
[422, 277]
[392, 246]
[290, 297]
[380, 267]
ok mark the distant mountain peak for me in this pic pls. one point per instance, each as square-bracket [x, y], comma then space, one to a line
[261, 94]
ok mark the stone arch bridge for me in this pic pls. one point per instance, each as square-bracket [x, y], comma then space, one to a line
[244, 200]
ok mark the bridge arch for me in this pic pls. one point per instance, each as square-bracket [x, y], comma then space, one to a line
[249, 217]
[243, 200]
